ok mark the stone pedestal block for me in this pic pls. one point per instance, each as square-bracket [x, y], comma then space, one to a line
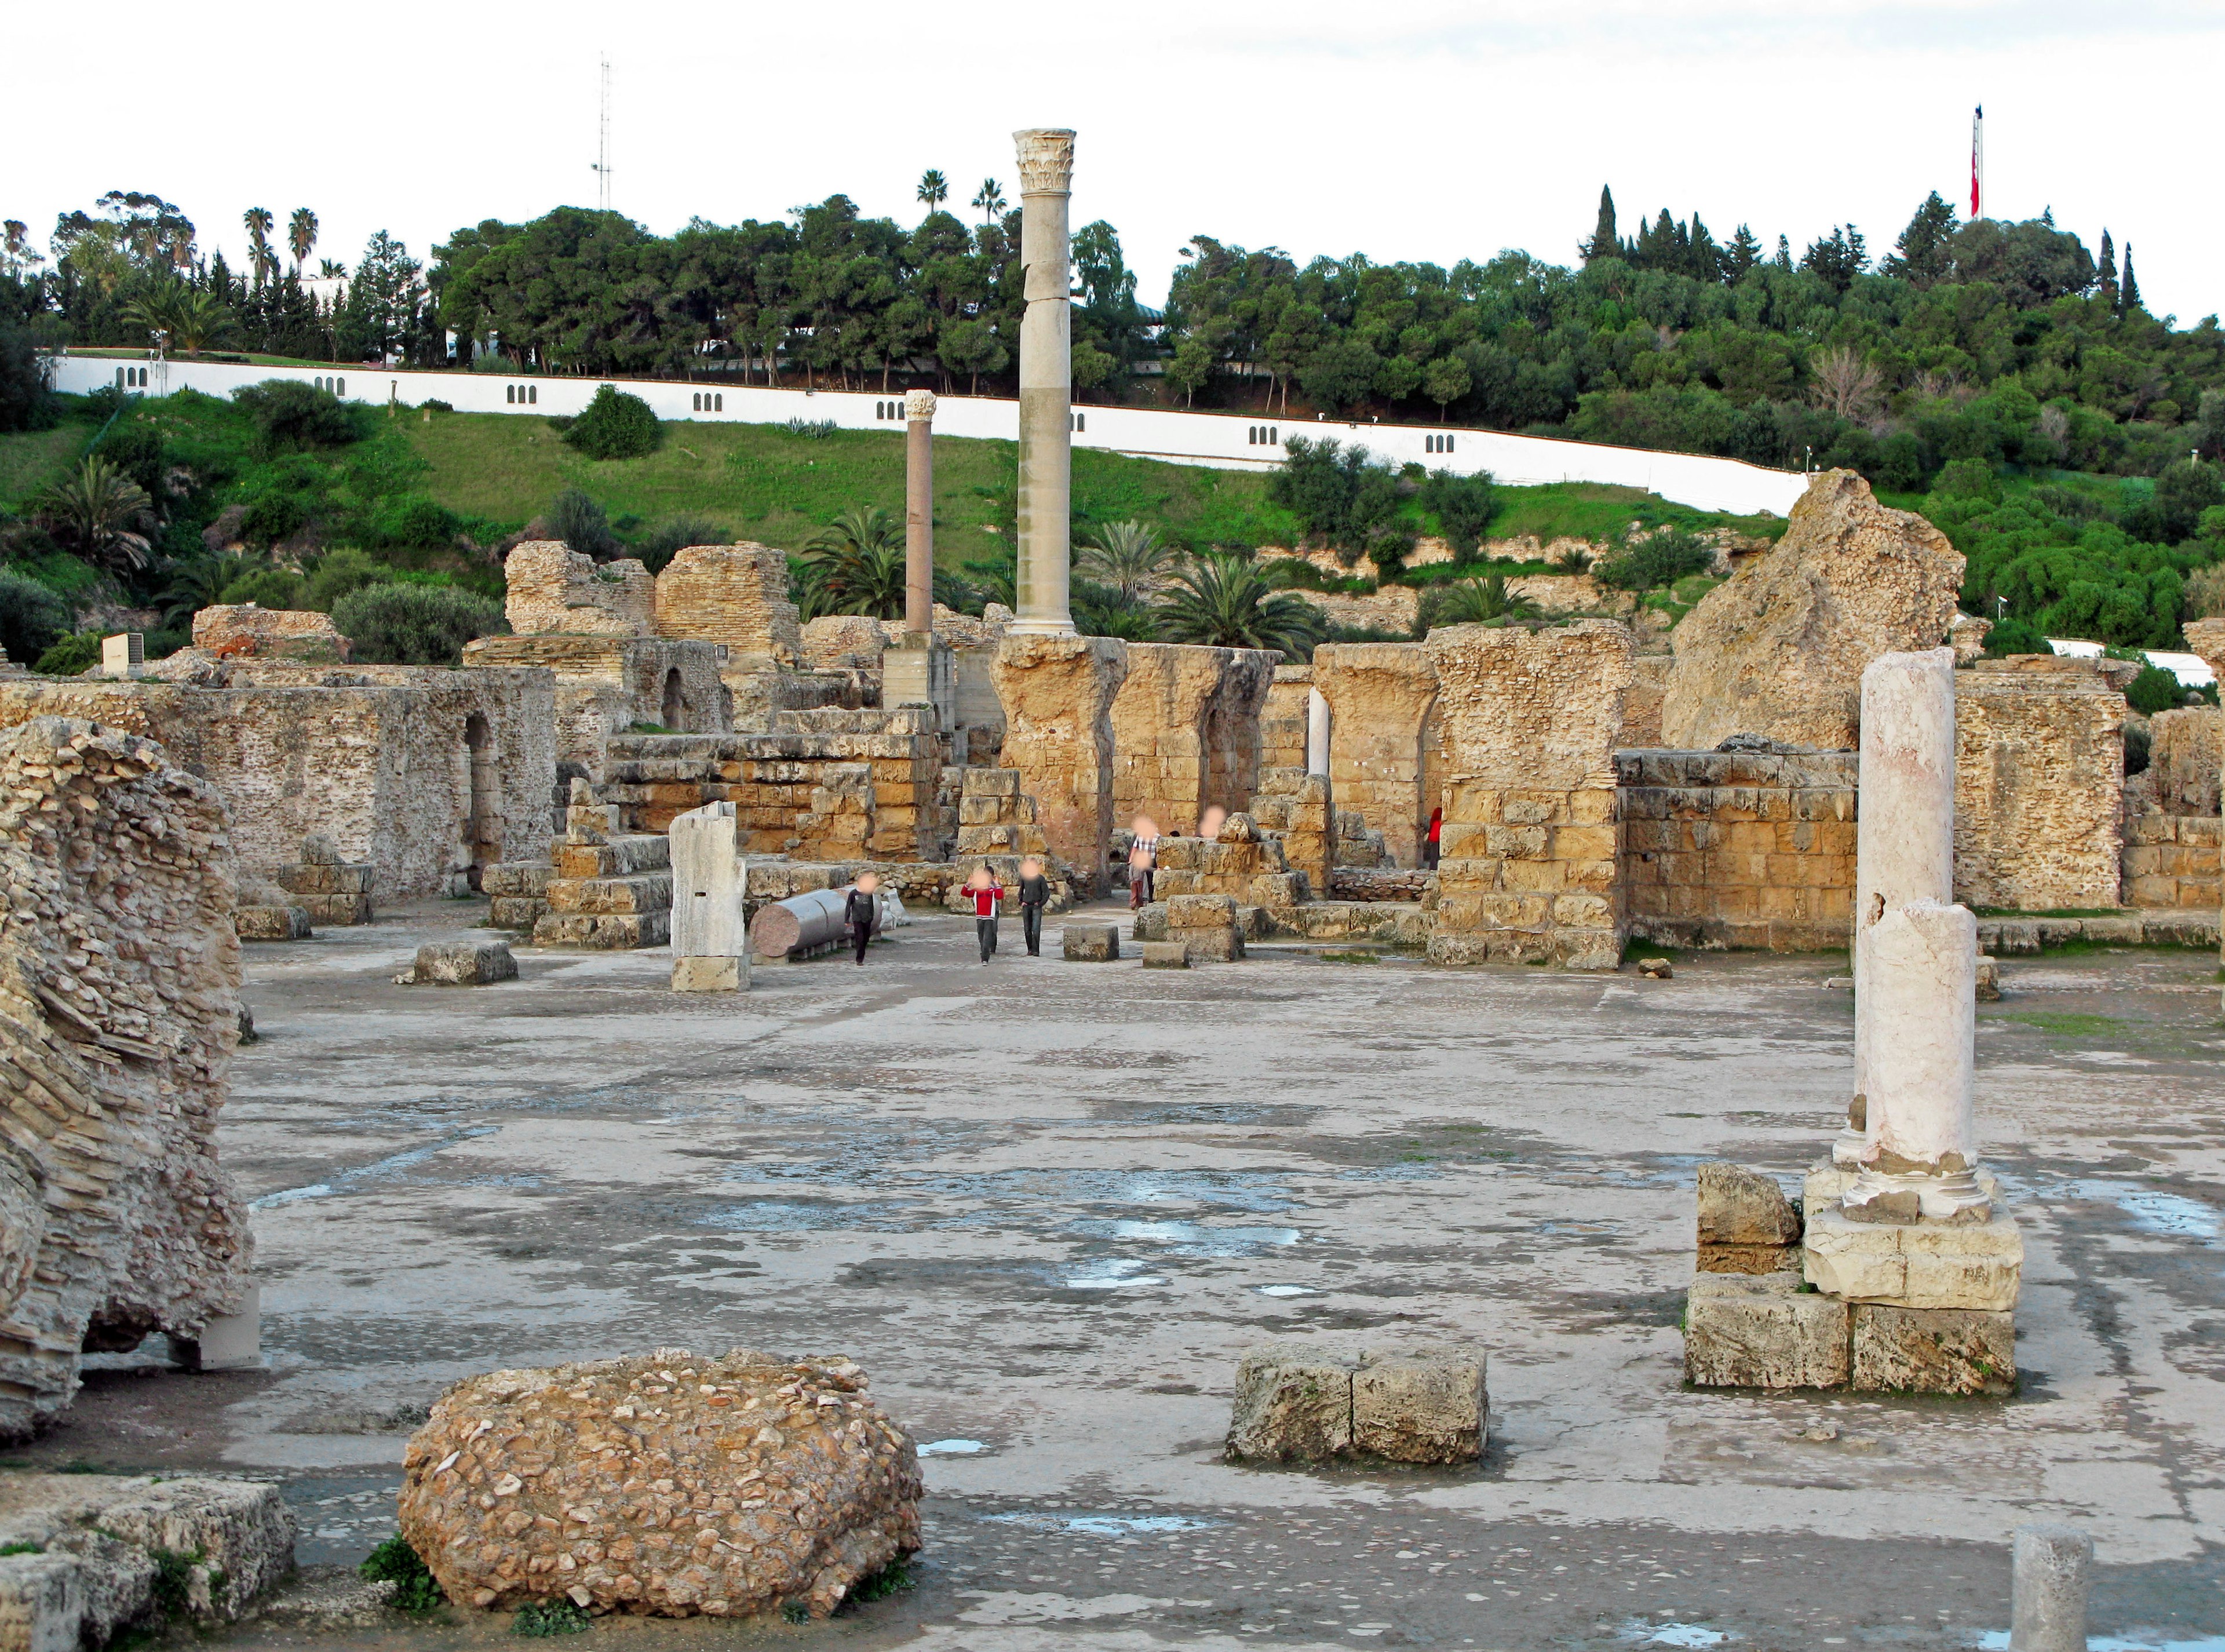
[1742, 1332]
[1933, 1350]
[2050, 1566]
[1091, 943]
[710, 974]
[1293, 1402]
[469, 962]
[271, 923]
[1165, 955]
[918, 669]
[1209, 946]
[1917, 1265]
[1424, 1407]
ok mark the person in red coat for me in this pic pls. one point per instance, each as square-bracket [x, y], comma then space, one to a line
[1436, 831]
[987, 896]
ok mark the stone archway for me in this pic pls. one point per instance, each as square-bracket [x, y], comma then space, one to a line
[483, 810]
[673, 713]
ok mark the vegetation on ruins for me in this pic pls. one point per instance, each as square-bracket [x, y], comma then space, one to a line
[32, 617]
[1127, 558]
[407, 624]
[1231, 602]
[854, 565]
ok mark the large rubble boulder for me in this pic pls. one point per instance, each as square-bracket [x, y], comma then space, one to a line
[1778, 650]
[119, 1010]
[671, 1485]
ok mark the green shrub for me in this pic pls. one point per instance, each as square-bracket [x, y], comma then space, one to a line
[291, 417]
[538, 1618]
[2155, 690]
[20, 1548]
[271, 587]
[617, 425]
[32, 619]
[273, 517]
[394, 1561]
[894, 1579]
[415, 523]
[72, 656]
[1660, 559]
[674, 534]
[812, 429]
[2014, 636]
[340, 573]
[414, 624]
[582, 524]
[1463, 506]
[173, 1580]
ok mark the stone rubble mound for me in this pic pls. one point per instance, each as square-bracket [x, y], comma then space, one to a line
[670, 1484]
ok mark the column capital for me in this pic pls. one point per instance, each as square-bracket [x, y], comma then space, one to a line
[919, 407]
[1046, 157]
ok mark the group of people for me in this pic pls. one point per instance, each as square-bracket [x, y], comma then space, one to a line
[861, 908]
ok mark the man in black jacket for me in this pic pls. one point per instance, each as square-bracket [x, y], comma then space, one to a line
[861, 911]
[1035, 894]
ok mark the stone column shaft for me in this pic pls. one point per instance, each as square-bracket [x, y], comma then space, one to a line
[919, 511]
[1046, 485]
[1317, 732]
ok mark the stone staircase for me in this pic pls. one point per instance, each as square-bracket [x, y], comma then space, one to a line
[611, 890]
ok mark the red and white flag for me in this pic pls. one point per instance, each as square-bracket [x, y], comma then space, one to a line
[1978, 164]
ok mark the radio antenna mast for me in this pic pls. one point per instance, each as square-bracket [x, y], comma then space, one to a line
[603, 148]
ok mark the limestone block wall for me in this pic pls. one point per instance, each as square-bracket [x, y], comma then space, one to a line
[1296, 805]
[1282, 719]
[119, 1008]
[1057, 694]
[1185, 732]
[554, 590]
[231, 630]
[1641, 707]
[1244, 863]
[826, 785]
[2039, 777]
[605, 685]
[2170, 860]
[850, 642]
[1530, 864]
[1381, 697]
[733, 594]
[2186, 750]
[418, 771]
[1739, 848]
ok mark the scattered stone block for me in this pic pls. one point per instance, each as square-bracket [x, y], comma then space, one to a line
[1429, 1407]
[709, 974]
[1091, 943]
[1933, 1350]
[1209, 946]
[1293, 1403]
[271, 923]
[1749, 1259]
[1201, 912]
[1917, 1265]
[473, 961]
[1763, 1332]
[1150, 922]
[1165, 955]
[1655, 968]
[1742, 1207]
[1989, 981]
[532, 1485]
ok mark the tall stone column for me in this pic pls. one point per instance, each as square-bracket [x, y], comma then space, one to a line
[1317, 732]
[1046, 160]
[1905, 835]
[919, 511]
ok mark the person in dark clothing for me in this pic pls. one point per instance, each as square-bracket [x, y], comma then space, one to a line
[986, 893]
[1035, 894]
[861, 911]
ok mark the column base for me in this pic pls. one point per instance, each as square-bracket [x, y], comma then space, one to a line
[1041, 627]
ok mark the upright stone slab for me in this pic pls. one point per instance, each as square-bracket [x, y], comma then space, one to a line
[1376, 698]
[710, 937]
[1528, 867]
[1057, 694]
[2039, 785]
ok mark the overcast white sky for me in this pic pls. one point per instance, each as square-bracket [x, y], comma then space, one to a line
[1427, 130]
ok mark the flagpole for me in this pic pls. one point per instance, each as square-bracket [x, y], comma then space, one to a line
[1978, 164]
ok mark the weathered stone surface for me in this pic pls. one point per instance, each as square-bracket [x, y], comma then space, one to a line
[1933, 1350]
[1200, 911]
[1186, 730]
[272, 922]
[1741, 1207]
[554, 590]
[1381, 697]
[235, 630]
[1151, 923]
[710, 882]
[1778, 648]
[119, 1010]
[1221, 946]
[1421, 1407]
[1091, 943]
[1057, 695]
[710, 974]
[734, 594]
[2039, 779]
[469, 961]
[1749, 1259]
[853, 641]
[669, 1484]
[91, 1544]
[1917, 1265]
[1763, 1332]
[1165, 955]
[1293, 1404]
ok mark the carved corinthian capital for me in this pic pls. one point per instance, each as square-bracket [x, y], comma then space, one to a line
[1046, 160]
[919, 407]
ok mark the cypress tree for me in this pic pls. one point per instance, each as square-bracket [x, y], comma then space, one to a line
[1605, 243]
[1745, 253]
[2108, 262]
[2128, 298]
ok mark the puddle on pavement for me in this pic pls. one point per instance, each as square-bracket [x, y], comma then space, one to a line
[1104, 1525]
[1191, 1238]
[1107, 1273]
[378, 1168]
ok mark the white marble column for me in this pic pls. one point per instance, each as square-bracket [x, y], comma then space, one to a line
[1046, 161]
[1922, 1007]
[1317, 732]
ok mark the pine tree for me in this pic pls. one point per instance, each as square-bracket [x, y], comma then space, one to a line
[1921, 257]
[1743, 254]
[1605, 243]
[2128, 297]
[1784, 259]
[2108, 262]
[1705, 257]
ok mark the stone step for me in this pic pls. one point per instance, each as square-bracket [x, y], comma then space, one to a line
[618, 858]
[603, 931]
[645, 892]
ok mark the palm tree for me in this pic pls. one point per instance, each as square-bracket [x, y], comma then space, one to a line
[1473, 602]
[1227, 602]
[302, 236]
[991, 201]
[857, 563]
[933, 188]
[198, 582]
[1128, 556]
[258, 222]
[100, 509]
[193, 321]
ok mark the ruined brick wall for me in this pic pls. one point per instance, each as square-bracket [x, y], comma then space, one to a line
[2171, 827]
[554, 590]
[605, 685]
[1641, 707]
[825, 785]
[1529, 867]
[2039, 777]
[1296, 805]
[1185, 732]
[734, 594]
[1380, 697]
[119, 1008]
[2186, 749]
[844, 641]
[378, 758]
[1739, 848]
[1282, 719]
[1057, 694]
[235, 630]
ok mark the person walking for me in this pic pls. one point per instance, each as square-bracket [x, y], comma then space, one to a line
[987, 894]
[1436, 831]
[861, 911]
[1035, 895]
[1143, 861]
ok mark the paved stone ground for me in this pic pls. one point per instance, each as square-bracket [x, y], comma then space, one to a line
[1047, 1206]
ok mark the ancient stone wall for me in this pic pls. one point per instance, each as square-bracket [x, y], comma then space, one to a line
[2170, 860]
[734, 594]
[554, 590]
[234, 630]
[1379, 696]
[1283, 719]
[1057, 695]
[1529, 863]
[844, 641]
[1296, 805]
[828, 785]
[1641, 707]
[2186, 750]
[1739, 848]
[421, 772]
[119, 1008]
[1778, 650]
[605, 685]
[1185, 732]
[2039, 776]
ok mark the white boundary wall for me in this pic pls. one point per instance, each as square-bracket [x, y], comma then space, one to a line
[1223, 442]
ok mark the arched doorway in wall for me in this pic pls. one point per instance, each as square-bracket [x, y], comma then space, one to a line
[674, 711]
[483, 816]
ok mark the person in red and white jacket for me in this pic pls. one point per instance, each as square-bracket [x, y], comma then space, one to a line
[987, 896]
